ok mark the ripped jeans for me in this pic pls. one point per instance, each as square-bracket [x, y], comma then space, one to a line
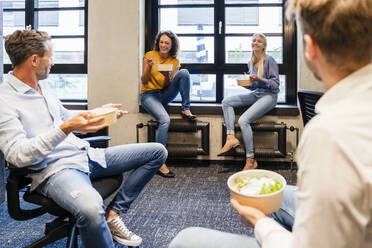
[72, 189]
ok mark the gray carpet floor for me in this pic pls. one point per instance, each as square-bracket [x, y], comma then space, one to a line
[198, 196]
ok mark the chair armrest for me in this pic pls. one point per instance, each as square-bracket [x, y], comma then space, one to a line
[98, 141]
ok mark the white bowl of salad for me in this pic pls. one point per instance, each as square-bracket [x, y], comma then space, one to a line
[262, 189]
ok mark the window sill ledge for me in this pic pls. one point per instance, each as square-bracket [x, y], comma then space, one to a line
[215, 109]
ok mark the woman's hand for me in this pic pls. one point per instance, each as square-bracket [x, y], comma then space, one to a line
[254, 77]
[119, 112]
[167, 80]
[166, 74]
[147, 64]
[148, 61]
[248, 215]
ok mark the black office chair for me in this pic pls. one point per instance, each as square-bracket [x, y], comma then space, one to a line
[308, 99]
[64, 225]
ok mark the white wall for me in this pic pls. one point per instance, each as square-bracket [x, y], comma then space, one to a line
[113, 61]
[116, 45]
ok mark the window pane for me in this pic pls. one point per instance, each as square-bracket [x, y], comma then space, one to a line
[282, 98]
[254, 20]
[239, 49]
[187, 20]
[196, 50]
[251, 1]
[47, 18]
[58, 3]
[68, 51]
[13, 21]
[61, 22]
[13, 4]
[232, 88]
[163, 2]
[6, 59]
[203, 88]
[68, 86]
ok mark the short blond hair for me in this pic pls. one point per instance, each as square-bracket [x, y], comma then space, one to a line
[341, 28]
[21, 44]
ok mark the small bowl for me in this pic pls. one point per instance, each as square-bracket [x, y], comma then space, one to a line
[267, 203]
[244, 82]
[164, 67]
[109, 114]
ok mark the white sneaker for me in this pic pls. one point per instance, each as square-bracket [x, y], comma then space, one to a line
[121, 233]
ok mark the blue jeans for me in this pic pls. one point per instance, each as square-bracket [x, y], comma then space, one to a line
[197, 237]
[154, 101]
[72, 189]
[260, 102]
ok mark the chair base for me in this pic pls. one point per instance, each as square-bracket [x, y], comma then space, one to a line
[58, 229]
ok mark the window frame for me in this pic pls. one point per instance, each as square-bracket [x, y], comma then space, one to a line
[31, 19]
[219, 67]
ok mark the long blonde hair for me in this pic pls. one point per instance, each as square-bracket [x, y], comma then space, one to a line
[259, 61]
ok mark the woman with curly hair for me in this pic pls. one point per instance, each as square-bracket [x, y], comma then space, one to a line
[161, 87]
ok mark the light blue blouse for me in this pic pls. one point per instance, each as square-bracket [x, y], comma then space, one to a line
[270, 78]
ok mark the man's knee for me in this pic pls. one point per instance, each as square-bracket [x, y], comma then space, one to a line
[91, 213]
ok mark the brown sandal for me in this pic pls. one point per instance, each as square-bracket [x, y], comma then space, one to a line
[251, 166]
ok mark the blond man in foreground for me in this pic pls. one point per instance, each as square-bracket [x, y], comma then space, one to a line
[333, 196]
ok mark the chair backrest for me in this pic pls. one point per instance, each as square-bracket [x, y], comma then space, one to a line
[308, 99]
[17, 182]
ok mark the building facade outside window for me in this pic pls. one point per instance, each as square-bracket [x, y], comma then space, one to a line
[66, 22]
[215, 42]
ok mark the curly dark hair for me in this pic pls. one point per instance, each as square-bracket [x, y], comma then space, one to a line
[175, 43]
[21, 44]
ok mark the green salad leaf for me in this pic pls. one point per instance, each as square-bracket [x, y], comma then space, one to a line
[268, 185]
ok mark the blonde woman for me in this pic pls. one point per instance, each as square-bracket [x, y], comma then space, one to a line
[262, 97]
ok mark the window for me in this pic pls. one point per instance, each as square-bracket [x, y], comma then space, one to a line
[215, 42]
[65, 21]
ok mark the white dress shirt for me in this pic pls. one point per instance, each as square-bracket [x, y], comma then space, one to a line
[334, 195]
[30, 133]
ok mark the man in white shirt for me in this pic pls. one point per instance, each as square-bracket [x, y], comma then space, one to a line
[36, 132]
[334, 188]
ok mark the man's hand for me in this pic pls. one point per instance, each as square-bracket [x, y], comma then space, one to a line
[254, 77]
[82, 123]
[119, 112]
[248, 215]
